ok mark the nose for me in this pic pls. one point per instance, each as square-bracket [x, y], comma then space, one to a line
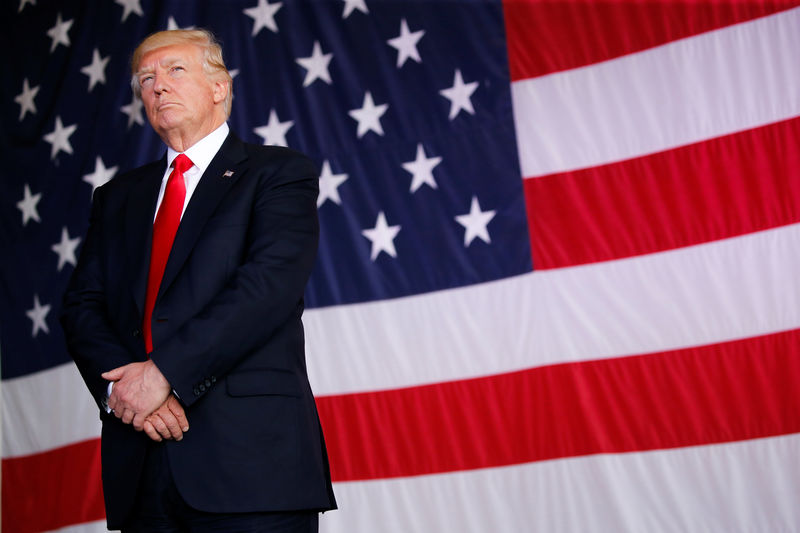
[160, 83]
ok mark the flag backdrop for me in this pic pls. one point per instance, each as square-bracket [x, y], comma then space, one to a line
[557, 286]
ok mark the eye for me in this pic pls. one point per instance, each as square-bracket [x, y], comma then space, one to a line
[177, 68]
[145, 79]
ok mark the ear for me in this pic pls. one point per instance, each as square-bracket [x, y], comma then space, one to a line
[220, 91]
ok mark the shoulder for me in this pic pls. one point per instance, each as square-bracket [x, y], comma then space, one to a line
[279, 159]
[123, 182]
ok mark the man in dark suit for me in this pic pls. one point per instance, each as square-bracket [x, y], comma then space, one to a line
[184, 311]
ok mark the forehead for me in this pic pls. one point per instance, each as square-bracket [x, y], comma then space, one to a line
[167, 55]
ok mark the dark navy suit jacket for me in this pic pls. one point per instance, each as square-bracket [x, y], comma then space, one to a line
[226, 330]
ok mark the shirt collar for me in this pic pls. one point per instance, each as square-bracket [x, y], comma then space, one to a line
[203, 151]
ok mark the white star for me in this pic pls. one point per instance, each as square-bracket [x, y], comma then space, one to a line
[329, 185]
[369, 116]
[130, 6]
[66, 249]
[134, 112]
[96, 70]
[274, 132]
[263, 16]
[316, 65]
[350, 5]
[22, 4]
[38, 315]
[382, 237]
[233, 72]
[59, 138]
[25, 99]
[101, 174]
[422, 169]
[173, 25]
[459, 95]
[59, 33]
[406, 44]
[28, 206]
[475, 223]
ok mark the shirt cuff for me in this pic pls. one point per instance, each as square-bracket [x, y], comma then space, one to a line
[108, 394]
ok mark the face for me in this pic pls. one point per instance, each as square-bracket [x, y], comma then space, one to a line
[178, 96]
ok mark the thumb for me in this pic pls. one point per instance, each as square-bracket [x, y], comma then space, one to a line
[114, 374]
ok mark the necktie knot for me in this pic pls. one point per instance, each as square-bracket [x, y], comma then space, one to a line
[182, 163]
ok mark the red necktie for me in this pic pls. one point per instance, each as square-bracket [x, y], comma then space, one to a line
[164, 229]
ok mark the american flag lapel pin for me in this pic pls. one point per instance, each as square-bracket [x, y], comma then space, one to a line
[228, 174]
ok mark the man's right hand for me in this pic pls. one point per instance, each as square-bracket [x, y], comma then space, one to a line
[167, 422]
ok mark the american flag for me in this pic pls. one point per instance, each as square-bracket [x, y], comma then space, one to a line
[557, 286]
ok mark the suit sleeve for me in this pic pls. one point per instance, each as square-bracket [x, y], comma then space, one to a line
[91, 340]
[266, 289]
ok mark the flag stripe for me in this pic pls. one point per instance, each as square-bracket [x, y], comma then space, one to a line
[26, 398]
[743, 486]
[606, 310]
[714, 84]
[599, 311]
[545, 36]
[52, 489]
[722, 392]
[718, 393]
[86, 527]
[720, 188]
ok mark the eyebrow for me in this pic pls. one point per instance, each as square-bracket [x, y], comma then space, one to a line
[166, 62]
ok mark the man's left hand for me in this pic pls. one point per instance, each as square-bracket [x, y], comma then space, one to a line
[139, 389]
[167, 422]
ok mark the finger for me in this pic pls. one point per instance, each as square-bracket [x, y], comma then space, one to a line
[127, 416]
[151, 431]
[177, 410]
[156, 421]
[138, 422]
[172, 424]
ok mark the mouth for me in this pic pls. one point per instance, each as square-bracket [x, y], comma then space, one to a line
[166, 105]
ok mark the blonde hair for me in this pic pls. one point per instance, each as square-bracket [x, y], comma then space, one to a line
[213, 64]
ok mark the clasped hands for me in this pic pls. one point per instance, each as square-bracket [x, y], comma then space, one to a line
[142, 396]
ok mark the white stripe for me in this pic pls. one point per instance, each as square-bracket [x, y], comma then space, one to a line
[738, 487]
[735, 288]
[683, 92]
[88, 527]
[46, 410]
[692, 296]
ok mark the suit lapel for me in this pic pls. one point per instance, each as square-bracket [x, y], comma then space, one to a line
[225, 169]
[139, 215]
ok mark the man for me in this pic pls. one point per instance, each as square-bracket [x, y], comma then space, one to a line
[187, 299]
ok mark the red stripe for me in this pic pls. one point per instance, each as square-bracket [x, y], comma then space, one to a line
[724, 392]
[547, 36]
[715, 189]
[52, 489]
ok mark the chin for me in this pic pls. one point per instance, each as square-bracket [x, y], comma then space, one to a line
[168, 123]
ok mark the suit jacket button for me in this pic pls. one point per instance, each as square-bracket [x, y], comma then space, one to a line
[136, 333]
[208, 383]
[213, 379]
[202, 387]
[196, 391]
